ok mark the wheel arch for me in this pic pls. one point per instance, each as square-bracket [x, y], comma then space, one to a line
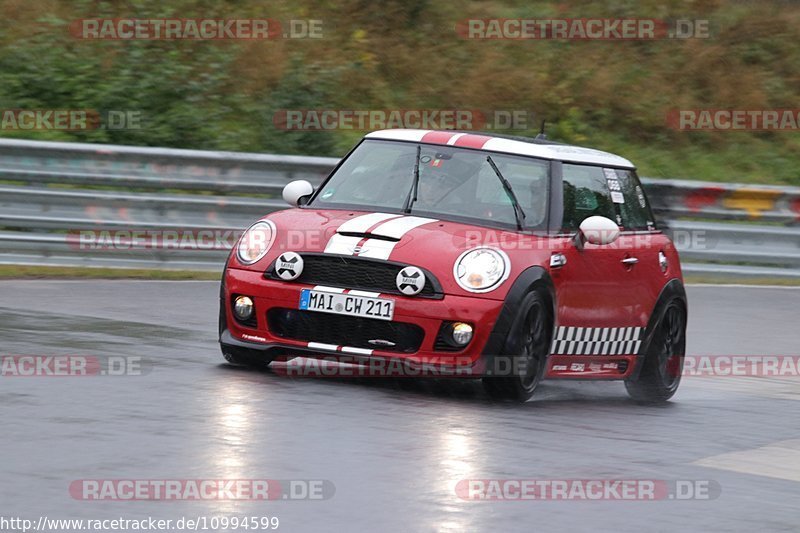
[531, 279]
[672, 290]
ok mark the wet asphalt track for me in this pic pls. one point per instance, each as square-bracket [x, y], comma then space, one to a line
[394, 453]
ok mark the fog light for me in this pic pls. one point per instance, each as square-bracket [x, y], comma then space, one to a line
[243, 307]
[462, 333]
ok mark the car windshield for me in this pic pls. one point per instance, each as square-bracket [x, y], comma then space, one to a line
[453, 182]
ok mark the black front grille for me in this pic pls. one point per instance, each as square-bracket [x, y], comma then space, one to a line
[357, 273]
[344, 330]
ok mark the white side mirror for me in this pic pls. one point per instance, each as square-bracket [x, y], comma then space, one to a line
[597, 230]
[295, 190]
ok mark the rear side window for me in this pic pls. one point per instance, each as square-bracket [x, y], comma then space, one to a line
[612, 193]
[586, 193]
[634, 211]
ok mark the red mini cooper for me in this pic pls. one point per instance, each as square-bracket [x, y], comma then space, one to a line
[519, 259]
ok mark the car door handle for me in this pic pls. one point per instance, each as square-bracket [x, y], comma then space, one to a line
[630, 261]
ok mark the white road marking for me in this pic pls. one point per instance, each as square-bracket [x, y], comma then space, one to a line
[780, 460]
[742, 286]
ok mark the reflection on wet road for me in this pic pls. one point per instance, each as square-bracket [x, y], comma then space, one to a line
[393, 449]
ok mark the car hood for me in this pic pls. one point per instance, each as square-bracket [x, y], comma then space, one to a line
[428, 243]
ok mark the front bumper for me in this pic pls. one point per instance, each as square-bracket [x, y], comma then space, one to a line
[428, 314]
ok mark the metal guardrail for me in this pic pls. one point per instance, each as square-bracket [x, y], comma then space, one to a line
[51, 191]
[725, 201]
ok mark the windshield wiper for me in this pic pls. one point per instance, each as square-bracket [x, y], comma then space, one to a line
[519, 214]
[412, 194]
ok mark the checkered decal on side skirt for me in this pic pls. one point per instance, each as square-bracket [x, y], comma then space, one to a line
[596, 341]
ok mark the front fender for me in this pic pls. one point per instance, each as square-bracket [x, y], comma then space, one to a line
[535, 277]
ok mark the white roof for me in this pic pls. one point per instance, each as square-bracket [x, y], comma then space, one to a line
[561, 152]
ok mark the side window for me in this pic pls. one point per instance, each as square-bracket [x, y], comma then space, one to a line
[633, 209]
[586, 194]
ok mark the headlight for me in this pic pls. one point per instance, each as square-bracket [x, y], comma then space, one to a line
[256, 242]
[481, 269]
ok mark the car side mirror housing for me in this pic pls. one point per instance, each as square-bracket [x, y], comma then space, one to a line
[596, 230]
[295, 191]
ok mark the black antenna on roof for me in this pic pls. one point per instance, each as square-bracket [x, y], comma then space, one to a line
[542, 136]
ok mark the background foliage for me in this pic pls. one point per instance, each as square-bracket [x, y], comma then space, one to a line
[405, 54]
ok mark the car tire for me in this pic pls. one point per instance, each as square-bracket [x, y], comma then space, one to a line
[528, 345]
[662, 367]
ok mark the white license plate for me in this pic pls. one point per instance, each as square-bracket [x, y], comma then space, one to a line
[346, 304]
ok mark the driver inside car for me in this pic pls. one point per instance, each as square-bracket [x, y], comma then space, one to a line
[445, 182]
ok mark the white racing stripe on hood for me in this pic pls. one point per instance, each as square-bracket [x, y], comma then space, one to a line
[377, 249]
[396, 229]
[362, 223]
[341, 244]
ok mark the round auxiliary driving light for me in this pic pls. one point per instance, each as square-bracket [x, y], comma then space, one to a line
[462, 333]
[243, 307]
